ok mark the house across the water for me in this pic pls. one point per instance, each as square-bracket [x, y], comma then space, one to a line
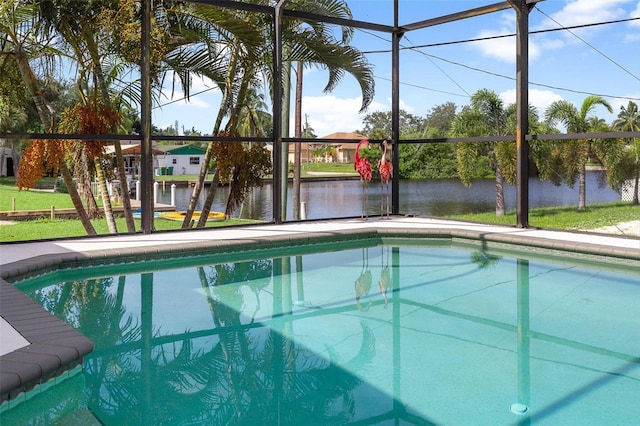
[180, 160]
[329, 152]
[167, 159]
[131, 156]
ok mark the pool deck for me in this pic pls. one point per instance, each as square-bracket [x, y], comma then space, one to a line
[34, 345]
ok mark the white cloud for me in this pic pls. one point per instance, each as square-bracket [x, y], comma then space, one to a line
[617, 103]
[634, 35]
[540, 99]
[635, 13]
[580, 12]
[403, 106]
[574, 12]
[200, 87]
[329, 114]
[194, 101]
[503, 48]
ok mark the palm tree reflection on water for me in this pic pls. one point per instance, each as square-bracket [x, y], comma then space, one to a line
[238, 372]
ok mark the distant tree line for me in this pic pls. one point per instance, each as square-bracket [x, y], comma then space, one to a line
[558, 161]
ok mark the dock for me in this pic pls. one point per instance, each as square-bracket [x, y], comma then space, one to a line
[54, 213]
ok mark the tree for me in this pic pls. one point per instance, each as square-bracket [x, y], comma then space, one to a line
[310, 43]
[314, 44]
[430, 160]
[240, 35]
[20, 29]
[575, 154]
[427, 160]
[86, 33]
[629, 120]
[440, 118]
[381, 121]
[187, 40]
[487, 115]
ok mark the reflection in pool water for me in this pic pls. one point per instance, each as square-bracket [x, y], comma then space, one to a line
[375, 335]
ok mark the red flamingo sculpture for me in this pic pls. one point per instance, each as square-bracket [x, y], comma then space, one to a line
[363, 167]
[386, 172]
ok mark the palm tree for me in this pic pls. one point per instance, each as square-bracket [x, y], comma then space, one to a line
[576, 153]
[629, 120]
[487, 115]
[314, 43]
[254, 120]
[240, 36]
[85, 34]
[15, 18]
[310, 43]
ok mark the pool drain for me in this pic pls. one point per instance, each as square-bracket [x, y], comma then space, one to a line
[519, 409]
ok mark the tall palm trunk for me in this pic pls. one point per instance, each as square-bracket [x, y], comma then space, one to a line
[499, 192]
[46, 117]
[286, 108]
[83, 183]
[582, 188]
[634, 197]
[75, 199]
[206, 208]
[104, 194]
[297, 152]
[122, 175]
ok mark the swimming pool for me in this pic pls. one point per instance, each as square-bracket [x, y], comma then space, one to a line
[363, 333]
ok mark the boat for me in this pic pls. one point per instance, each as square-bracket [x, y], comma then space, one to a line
[179, 215]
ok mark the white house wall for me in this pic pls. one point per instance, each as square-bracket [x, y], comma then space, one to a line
[181, 164]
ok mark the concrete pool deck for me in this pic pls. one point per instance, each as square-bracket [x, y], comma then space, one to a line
[34, 345]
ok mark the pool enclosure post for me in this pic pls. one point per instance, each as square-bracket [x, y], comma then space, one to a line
[395, 111]
[146, 152]
[279, 167]
[522, 8]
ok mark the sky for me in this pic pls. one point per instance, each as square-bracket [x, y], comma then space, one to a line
[439, 64]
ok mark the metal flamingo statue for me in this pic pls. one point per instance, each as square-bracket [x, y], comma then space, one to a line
[363, 167]
[386, 172]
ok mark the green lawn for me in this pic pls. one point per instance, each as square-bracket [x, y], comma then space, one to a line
[61, 228]
[594, 216]
[345, 168]
[32, 199]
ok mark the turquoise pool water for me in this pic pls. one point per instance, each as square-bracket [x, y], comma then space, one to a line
[392, 334]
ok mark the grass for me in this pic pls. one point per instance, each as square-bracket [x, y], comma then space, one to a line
[33, 199]
[63, 228]
[343, 168]
[39, 229]
[592, 217]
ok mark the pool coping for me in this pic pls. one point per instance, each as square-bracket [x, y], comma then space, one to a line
[55, 347]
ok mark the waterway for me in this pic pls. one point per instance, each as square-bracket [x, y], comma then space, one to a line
[342, 198]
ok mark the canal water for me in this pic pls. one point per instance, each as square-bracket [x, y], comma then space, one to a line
[342, 198]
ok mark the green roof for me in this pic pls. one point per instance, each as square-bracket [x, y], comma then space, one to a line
[186, 150]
